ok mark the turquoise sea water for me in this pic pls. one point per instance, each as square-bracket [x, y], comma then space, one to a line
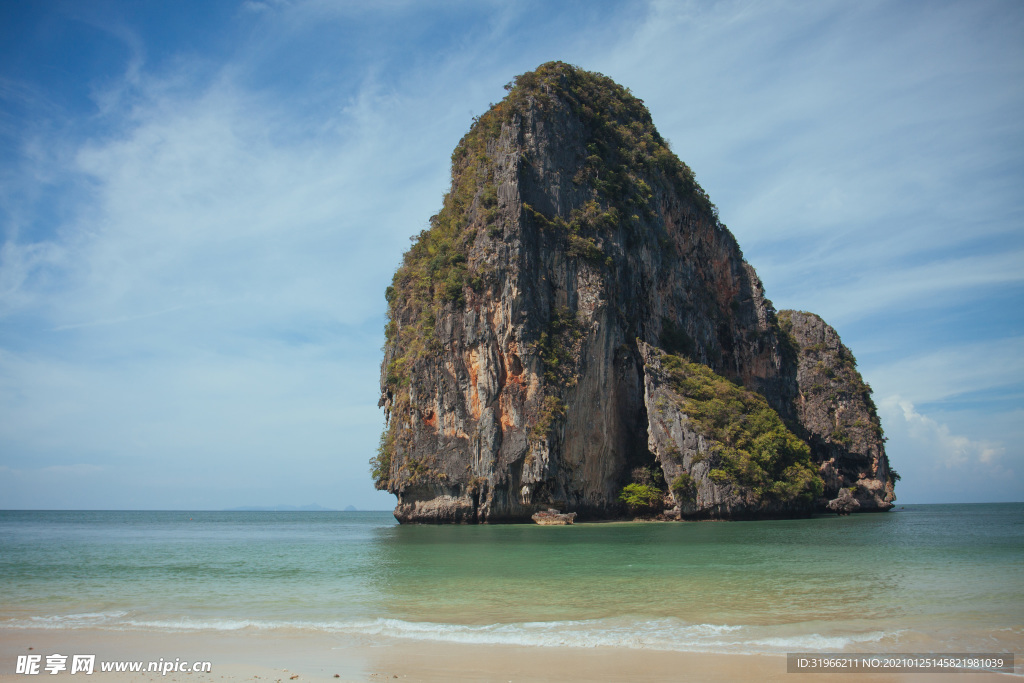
[930, 578]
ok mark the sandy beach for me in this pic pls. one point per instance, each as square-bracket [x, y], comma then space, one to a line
[265, 658]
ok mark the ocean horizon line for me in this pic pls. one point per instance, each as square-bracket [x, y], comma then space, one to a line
[283, 508]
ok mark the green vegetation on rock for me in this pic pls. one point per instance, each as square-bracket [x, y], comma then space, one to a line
[684, 487]
[552, 409]
[556, 347]
[380, 464]
[641, 497]
[752, 446]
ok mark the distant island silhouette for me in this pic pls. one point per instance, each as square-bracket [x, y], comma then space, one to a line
[313, 507]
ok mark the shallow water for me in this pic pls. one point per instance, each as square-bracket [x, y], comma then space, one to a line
[930, 578]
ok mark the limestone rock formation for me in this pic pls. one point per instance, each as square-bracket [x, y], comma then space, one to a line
[844, 503]
[724, 450]
[571, 244]
[838, 416]
[553, 517]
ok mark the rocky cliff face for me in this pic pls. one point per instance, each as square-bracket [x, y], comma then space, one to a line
[838, 416]
[571, 240]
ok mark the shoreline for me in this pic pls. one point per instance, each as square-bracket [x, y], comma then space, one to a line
[326, 657]
[658, 518]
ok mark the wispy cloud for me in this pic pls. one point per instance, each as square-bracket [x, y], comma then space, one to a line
[849, 284]
[192, 270]
[199, 200]
[948, 373]
[864, 164]
[214, 302]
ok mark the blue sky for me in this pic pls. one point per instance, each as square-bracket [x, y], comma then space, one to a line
[201, 204]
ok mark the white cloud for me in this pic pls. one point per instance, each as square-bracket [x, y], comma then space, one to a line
[951, 449]
[940, 463]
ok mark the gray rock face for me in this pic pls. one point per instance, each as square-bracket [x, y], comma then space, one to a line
[512, 378]
[682, 449]
[838, 416]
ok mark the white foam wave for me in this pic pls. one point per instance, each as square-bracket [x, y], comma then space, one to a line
[661, 634]
[653, 634]
[80, 620]
[816, 642]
